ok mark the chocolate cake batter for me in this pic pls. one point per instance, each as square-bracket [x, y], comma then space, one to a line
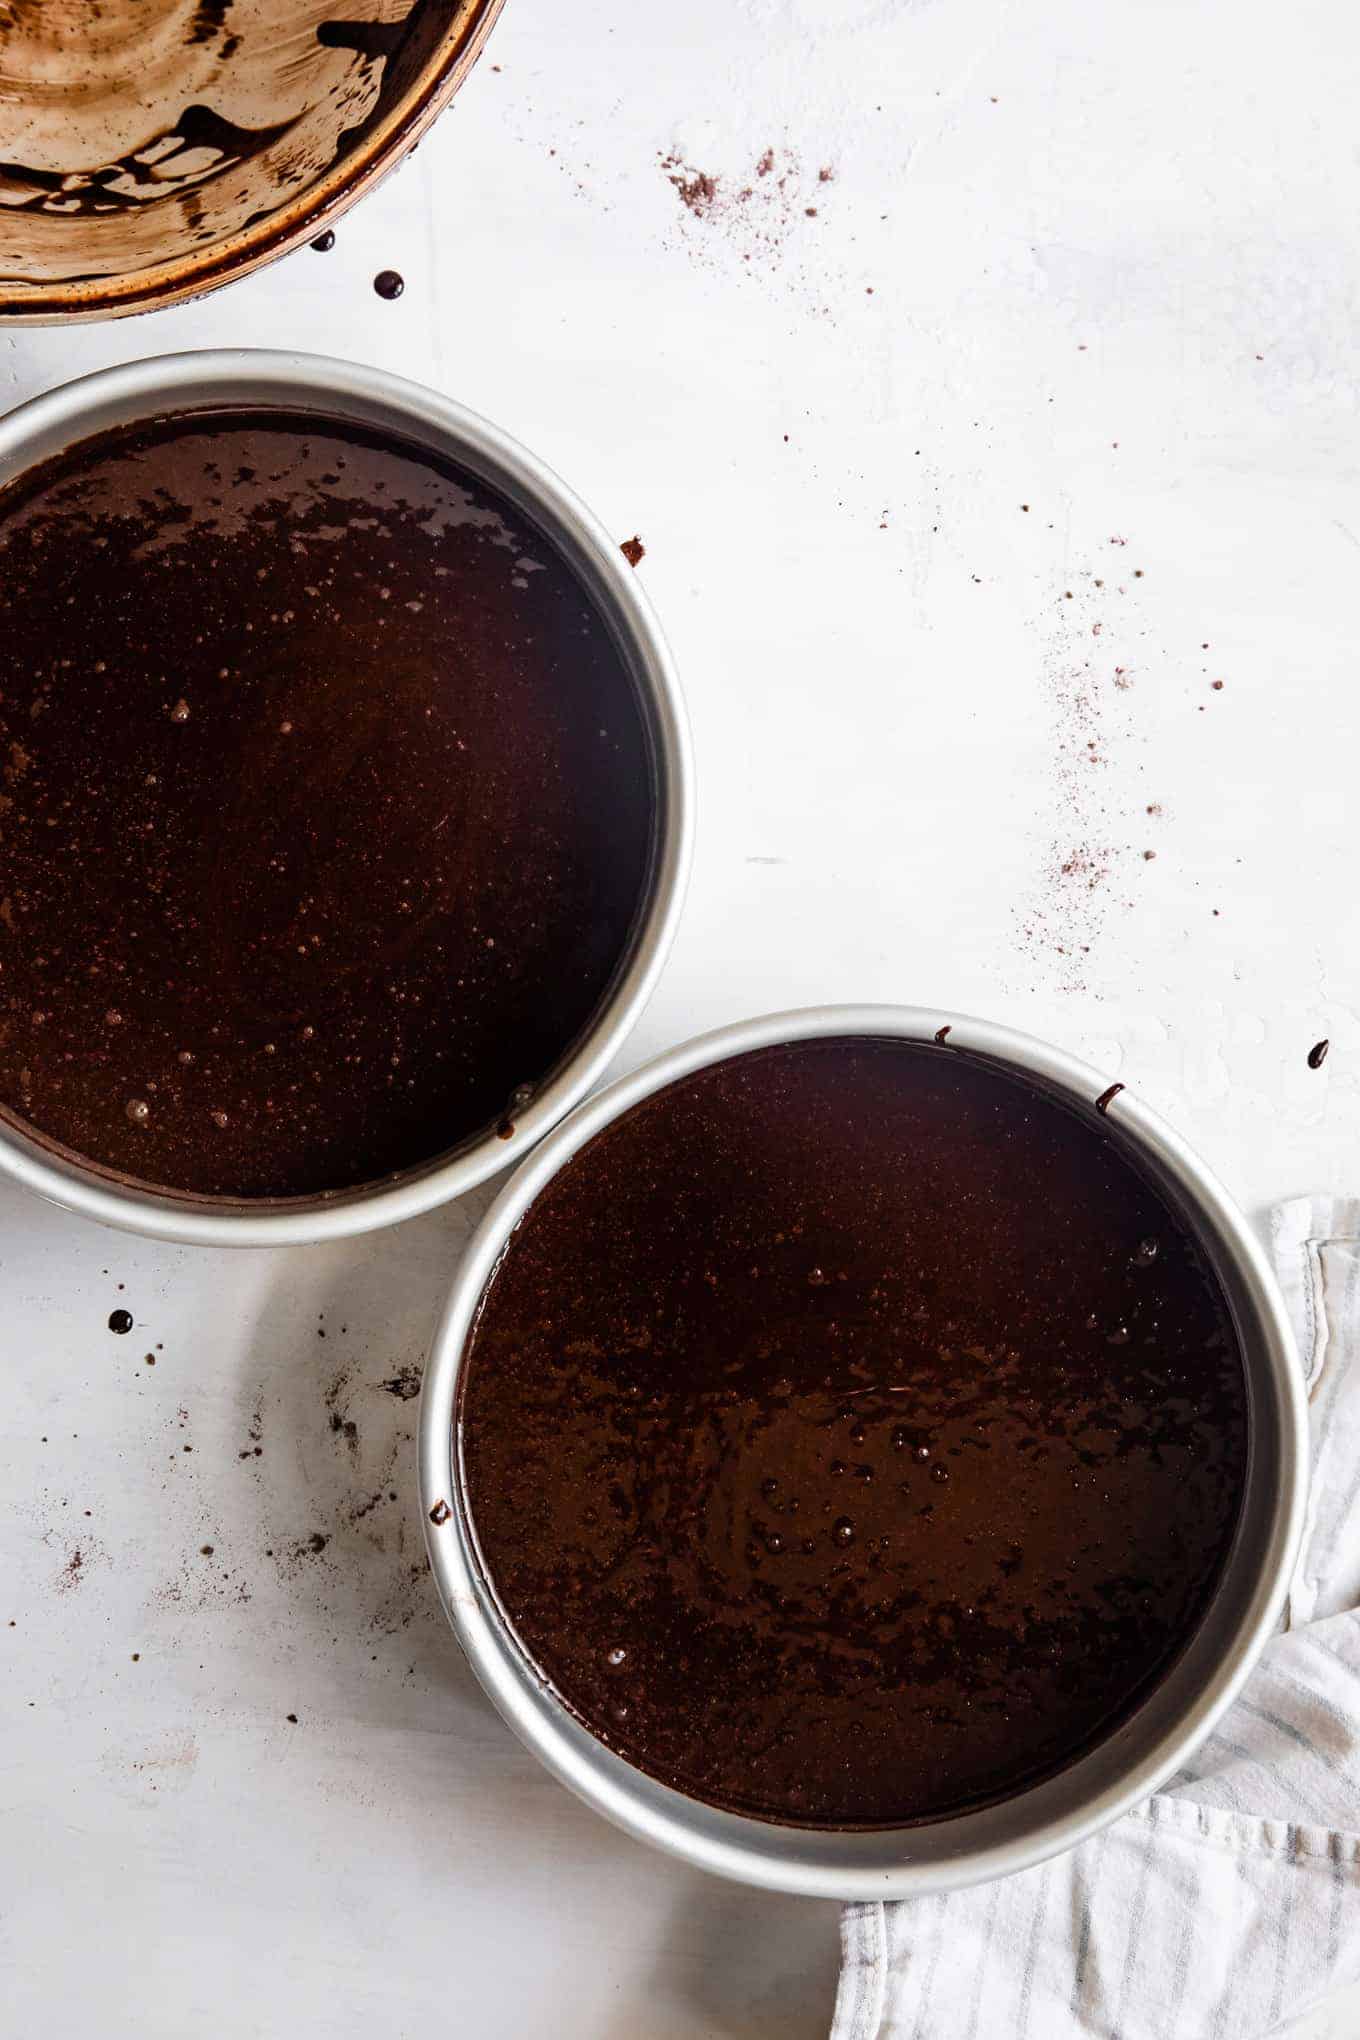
[852, 1434]
[325, 805]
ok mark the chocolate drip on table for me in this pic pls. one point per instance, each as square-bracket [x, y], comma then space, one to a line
[325, 805]
[852, 1434]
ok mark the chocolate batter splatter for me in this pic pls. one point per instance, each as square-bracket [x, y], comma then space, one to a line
[1317, 1054]
[404, 1385]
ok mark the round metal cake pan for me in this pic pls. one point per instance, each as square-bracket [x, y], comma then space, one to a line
[1048, 1817]
[338, 390]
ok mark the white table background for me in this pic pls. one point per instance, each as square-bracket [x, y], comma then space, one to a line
[1100, 260]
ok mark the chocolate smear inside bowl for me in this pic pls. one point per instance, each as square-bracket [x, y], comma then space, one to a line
[326, 805]
[852, 1434]
[155, 148]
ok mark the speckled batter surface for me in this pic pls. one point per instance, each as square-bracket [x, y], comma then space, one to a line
[852, 1434]
[325, 805]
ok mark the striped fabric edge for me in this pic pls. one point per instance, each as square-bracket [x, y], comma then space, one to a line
[864, 1972]
[1299, 1230]
[1218, 1827]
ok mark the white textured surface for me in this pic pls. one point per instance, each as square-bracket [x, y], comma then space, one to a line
[1097, 260]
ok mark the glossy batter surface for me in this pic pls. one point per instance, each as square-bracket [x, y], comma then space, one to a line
[325, 805]
[852, 1434]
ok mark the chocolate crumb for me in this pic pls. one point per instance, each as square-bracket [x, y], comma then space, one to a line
[634, 551]
[291, 1717]
[1107, 1098]
[440, 1513]
[942, 1035]
[405, 1384]
[1317, 1054]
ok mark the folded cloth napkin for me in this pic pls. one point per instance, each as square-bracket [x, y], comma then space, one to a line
[1231, 1900]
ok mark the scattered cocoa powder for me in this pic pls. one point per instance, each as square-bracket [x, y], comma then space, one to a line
[1089, 848]
[754, 211]
[698, 190]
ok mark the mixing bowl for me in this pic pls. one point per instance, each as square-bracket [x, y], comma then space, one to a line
[154, 149]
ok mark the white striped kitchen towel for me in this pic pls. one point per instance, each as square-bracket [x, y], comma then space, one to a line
[1230, 1901]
